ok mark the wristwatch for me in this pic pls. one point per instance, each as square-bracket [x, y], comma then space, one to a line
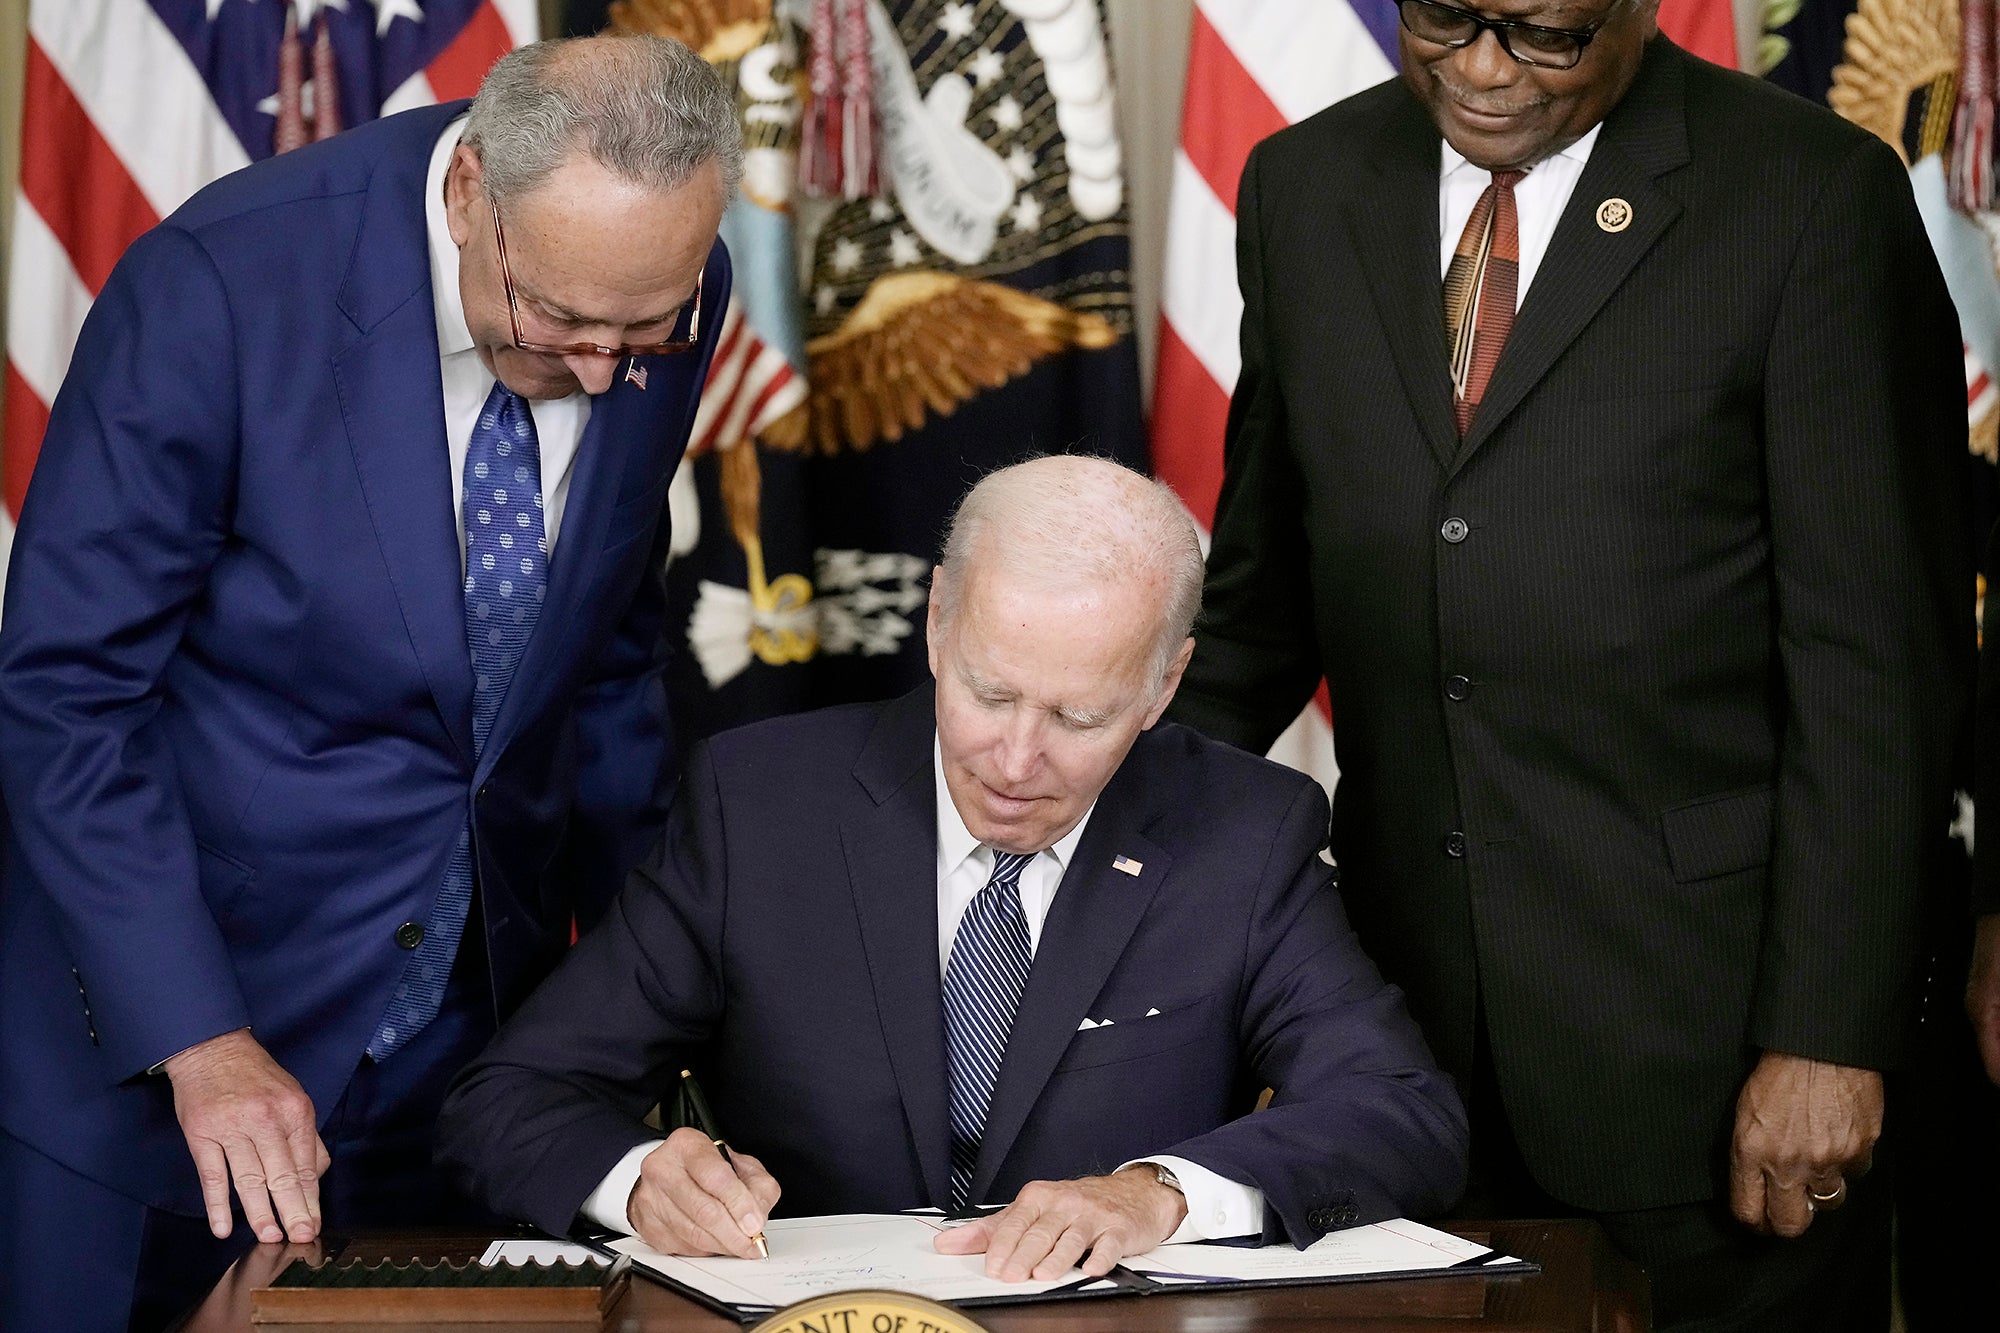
[1165, 1177]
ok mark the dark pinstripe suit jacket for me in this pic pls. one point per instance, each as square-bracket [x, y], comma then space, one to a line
[1646, 757]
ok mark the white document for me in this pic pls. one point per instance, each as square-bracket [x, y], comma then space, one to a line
[1398, 1246]
[815, 1256]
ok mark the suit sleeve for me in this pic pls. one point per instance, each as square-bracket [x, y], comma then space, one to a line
[1362, 1126]
[627, 769]
[128, 509]
[533, 1125]
[1864, 414]
[1256, 659]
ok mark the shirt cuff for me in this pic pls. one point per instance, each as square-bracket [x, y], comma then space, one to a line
[606, 1204]
[1217, 1207]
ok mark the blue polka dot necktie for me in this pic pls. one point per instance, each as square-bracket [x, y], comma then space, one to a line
[506, 578]
[983, 982]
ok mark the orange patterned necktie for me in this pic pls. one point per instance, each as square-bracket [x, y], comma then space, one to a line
[1479, 292]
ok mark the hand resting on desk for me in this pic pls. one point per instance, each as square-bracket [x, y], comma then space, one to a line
[246, 1118]
[1051, 1223]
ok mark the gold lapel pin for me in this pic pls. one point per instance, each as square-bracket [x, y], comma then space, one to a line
[1614, 215]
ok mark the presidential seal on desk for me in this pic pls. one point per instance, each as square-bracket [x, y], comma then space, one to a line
[868, 1312]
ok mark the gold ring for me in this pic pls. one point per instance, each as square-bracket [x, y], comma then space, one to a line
[1831, 1196]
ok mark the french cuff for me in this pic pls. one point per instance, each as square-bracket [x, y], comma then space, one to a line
[1217, 1207]
[606, 1204]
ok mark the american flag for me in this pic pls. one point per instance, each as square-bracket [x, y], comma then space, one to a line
[130, 106]
[1255, 66]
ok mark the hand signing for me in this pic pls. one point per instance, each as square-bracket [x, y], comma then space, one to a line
[1802, 1127]
[691, 1200]
[1049, 1226]
[246, 1118]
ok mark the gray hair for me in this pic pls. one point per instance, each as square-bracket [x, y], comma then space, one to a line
[1070, 520]
[645, 107]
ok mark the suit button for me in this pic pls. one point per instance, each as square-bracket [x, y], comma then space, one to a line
[1321, 1219]
[409, 935]
[1457, 688]
[1454, 530]
[1454, 843]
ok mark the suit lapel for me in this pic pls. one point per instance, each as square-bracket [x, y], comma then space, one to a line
[1644, 137]
[890, 845]
[390, 394]
[1394, 221]
[1089, 923]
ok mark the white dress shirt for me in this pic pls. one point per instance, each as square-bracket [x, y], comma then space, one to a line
[1538, 202]
[1216, 1206]
[559, 422]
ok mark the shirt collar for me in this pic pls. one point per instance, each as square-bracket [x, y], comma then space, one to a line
[955, 843]
[1578, 152]
[449, 306]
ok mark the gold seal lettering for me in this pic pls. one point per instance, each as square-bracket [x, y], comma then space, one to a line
[868, 1312]
[1614, 215]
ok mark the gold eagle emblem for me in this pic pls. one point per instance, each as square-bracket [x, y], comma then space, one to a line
[921, 343]
[721, 31]
[1899, 56]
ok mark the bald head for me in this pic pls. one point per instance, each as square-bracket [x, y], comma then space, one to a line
[1069, 524]
[1058, 632]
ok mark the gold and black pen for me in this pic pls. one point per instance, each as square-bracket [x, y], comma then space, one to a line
[704, 1120]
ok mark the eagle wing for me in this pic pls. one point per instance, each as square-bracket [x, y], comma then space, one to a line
[719, 30]
[918, 345]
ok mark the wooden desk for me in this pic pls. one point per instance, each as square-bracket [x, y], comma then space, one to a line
[1584, 1287]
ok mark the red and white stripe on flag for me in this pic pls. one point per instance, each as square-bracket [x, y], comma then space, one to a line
[1254, 66]
[749, 386]
[118, 128]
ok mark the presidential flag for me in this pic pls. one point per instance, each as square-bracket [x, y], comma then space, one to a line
[130, 106]
[973, 308]
[739, 590]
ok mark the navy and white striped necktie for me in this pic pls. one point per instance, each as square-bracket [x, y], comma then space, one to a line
[982, 989]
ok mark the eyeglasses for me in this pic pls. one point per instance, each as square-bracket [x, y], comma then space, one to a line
[685, 335]
[1529, 43]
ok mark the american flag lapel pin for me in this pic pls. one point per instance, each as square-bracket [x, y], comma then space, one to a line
[635, 374]
[1125, 865]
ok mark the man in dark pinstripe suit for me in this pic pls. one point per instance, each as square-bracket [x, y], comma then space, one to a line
[1645, 683]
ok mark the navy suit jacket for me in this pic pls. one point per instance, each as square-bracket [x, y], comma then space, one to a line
[784, 942]
[235, 695]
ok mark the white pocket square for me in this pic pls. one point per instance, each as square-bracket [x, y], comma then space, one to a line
[1087, 1024]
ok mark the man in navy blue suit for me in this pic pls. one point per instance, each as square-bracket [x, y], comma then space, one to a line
[1001, 940]
[329, 676]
